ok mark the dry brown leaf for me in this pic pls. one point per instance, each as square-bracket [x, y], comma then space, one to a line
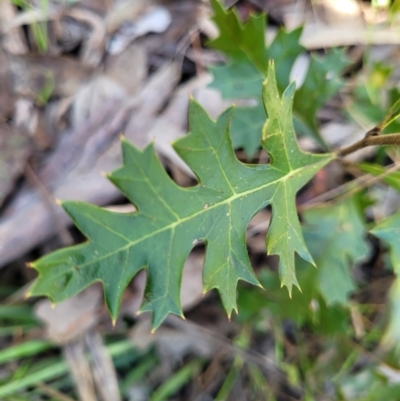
[7, 96]
[211, 99]
[69, 323]
[257, 229]
[26, 117]
[155, 96]
[12, 40]
[173, 344]
[32, 73]
[332, 23]
[93, 49]
[74, 354]
[15, 149]
[155, 19]
[128, 68]
[93, 96]
[98, 6]
[52, 121]
[338, 13]
[103, 371]
[192, 281]
[340, 23]
[120, 81]
[125, 10]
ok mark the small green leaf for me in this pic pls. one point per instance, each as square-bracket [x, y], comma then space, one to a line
[170, 220]
[234, 36]
[335, 236]
[373, 96]
[305, 308]
[389, 231]
[321, 83]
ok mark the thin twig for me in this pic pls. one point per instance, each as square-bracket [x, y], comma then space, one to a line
[74, 354]
[370, 140]
[344, 191]
[54, 393]
[371, 181]
[103, 371]
[249, 355]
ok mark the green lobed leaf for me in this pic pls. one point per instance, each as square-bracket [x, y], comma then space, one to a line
[321, 83]
[170, 220]
[234, 36]
[241, 77]
[373, 96]
[389, 232]
[335, 236]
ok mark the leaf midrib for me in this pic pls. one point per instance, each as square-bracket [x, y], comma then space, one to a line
[185, 219]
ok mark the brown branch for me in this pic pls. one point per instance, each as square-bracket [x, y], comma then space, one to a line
[371, 138]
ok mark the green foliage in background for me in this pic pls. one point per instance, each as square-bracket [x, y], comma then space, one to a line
[336, 237]
[389, 232]
[373, 96]
[241, 78]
